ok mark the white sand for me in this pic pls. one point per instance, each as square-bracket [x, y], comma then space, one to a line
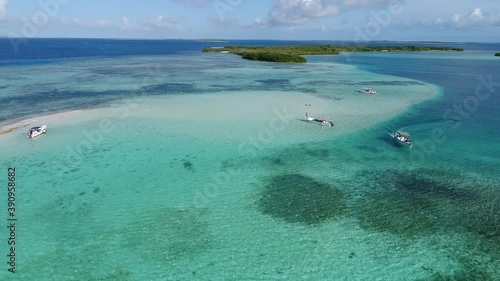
[242, 113]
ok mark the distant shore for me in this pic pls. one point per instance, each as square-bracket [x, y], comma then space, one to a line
[294, 54]
[497, 55]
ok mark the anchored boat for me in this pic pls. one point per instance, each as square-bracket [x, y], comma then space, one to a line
[368, 91]
[402, 138]
[321, 120]
[36, 131]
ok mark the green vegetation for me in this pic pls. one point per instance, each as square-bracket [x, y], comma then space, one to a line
[497, 55]
[274, 57]
[293, 54]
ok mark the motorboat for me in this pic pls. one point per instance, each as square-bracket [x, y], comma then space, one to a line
[368, 91]
[402, 138]
[320, 120]
[36, 131]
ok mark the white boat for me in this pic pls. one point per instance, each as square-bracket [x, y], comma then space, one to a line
[321, 120]
[36, 131]
[402, 138]
[368, 91]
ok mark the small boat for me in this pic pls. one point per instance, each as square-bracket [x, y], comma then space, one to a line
[402, 138]
[368, 91]
[321, 120]
[36, 131]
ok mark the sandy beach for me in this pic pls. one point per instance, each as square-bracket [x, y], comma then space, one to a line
[192, 166]
[246, 111]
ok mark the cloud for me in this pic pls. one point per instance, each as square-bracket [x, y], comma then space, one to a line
[258, 22]
[157, 23]
[3, 8]
[224, 22]
[98, 24]
[476, 18]
[126, 21]
[164, 23]
[296, 12]
[476, 14]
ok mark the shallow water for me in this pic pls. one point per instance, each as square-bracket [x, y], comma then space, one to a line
[198, 167]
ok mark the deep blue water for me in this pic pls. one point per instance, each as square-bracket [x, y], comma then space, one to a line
[458, 77]
[36, 49]
[471, 146]
[459, 74]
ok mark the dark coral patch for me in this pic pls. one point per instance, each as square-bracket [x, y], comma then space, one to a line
[399, 214]
[174, 88]
[482, 215]
[418, 202]
[188, 165]
[274, 81]
[295, 198]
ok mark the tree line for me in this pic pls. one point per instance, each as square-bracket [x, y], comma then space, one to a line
[293, 54]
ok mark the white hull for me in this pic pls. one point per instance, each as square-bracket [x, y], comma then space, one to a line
[367, 91]
[37, 131]
[323, 122]
[402, 143]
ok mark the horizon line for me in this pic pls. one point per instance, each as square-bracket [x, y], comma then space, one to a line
[250, 39]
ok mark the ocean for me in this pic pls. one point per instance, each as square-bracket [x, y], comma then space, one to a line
[161, 162]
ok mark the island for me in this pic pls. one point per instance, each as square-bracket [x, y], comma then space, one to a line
[294, 54]
[497, 55]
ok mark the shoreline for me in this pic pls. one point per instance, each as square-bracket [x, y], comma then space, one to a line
[350, 114]
[60, 118]
[12, 127]
[351, 109]
[295, 54]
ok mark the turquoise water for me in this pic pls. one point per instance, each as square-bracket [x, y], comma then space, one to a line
[198, 167]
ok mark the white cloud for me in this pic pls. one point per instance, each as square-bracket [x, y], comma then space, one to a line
[477, 14]
[162, 22]
[475, 19]
[293, 12]
[224, 22]
[296, 12]
[126, 21]
[258, 21]
[99, 24]
[154, 24]
[3, 8]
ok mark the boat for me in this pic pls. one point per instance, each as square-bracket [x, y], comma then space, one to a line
[36, 131]
[368, 91]
[321, 120]
[402, 138]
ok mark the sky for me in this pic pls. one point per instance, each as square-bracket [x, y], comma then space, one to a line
[366, 20]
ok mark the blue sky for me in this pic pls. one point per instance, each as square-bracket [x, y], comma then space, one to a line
[441, 20]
